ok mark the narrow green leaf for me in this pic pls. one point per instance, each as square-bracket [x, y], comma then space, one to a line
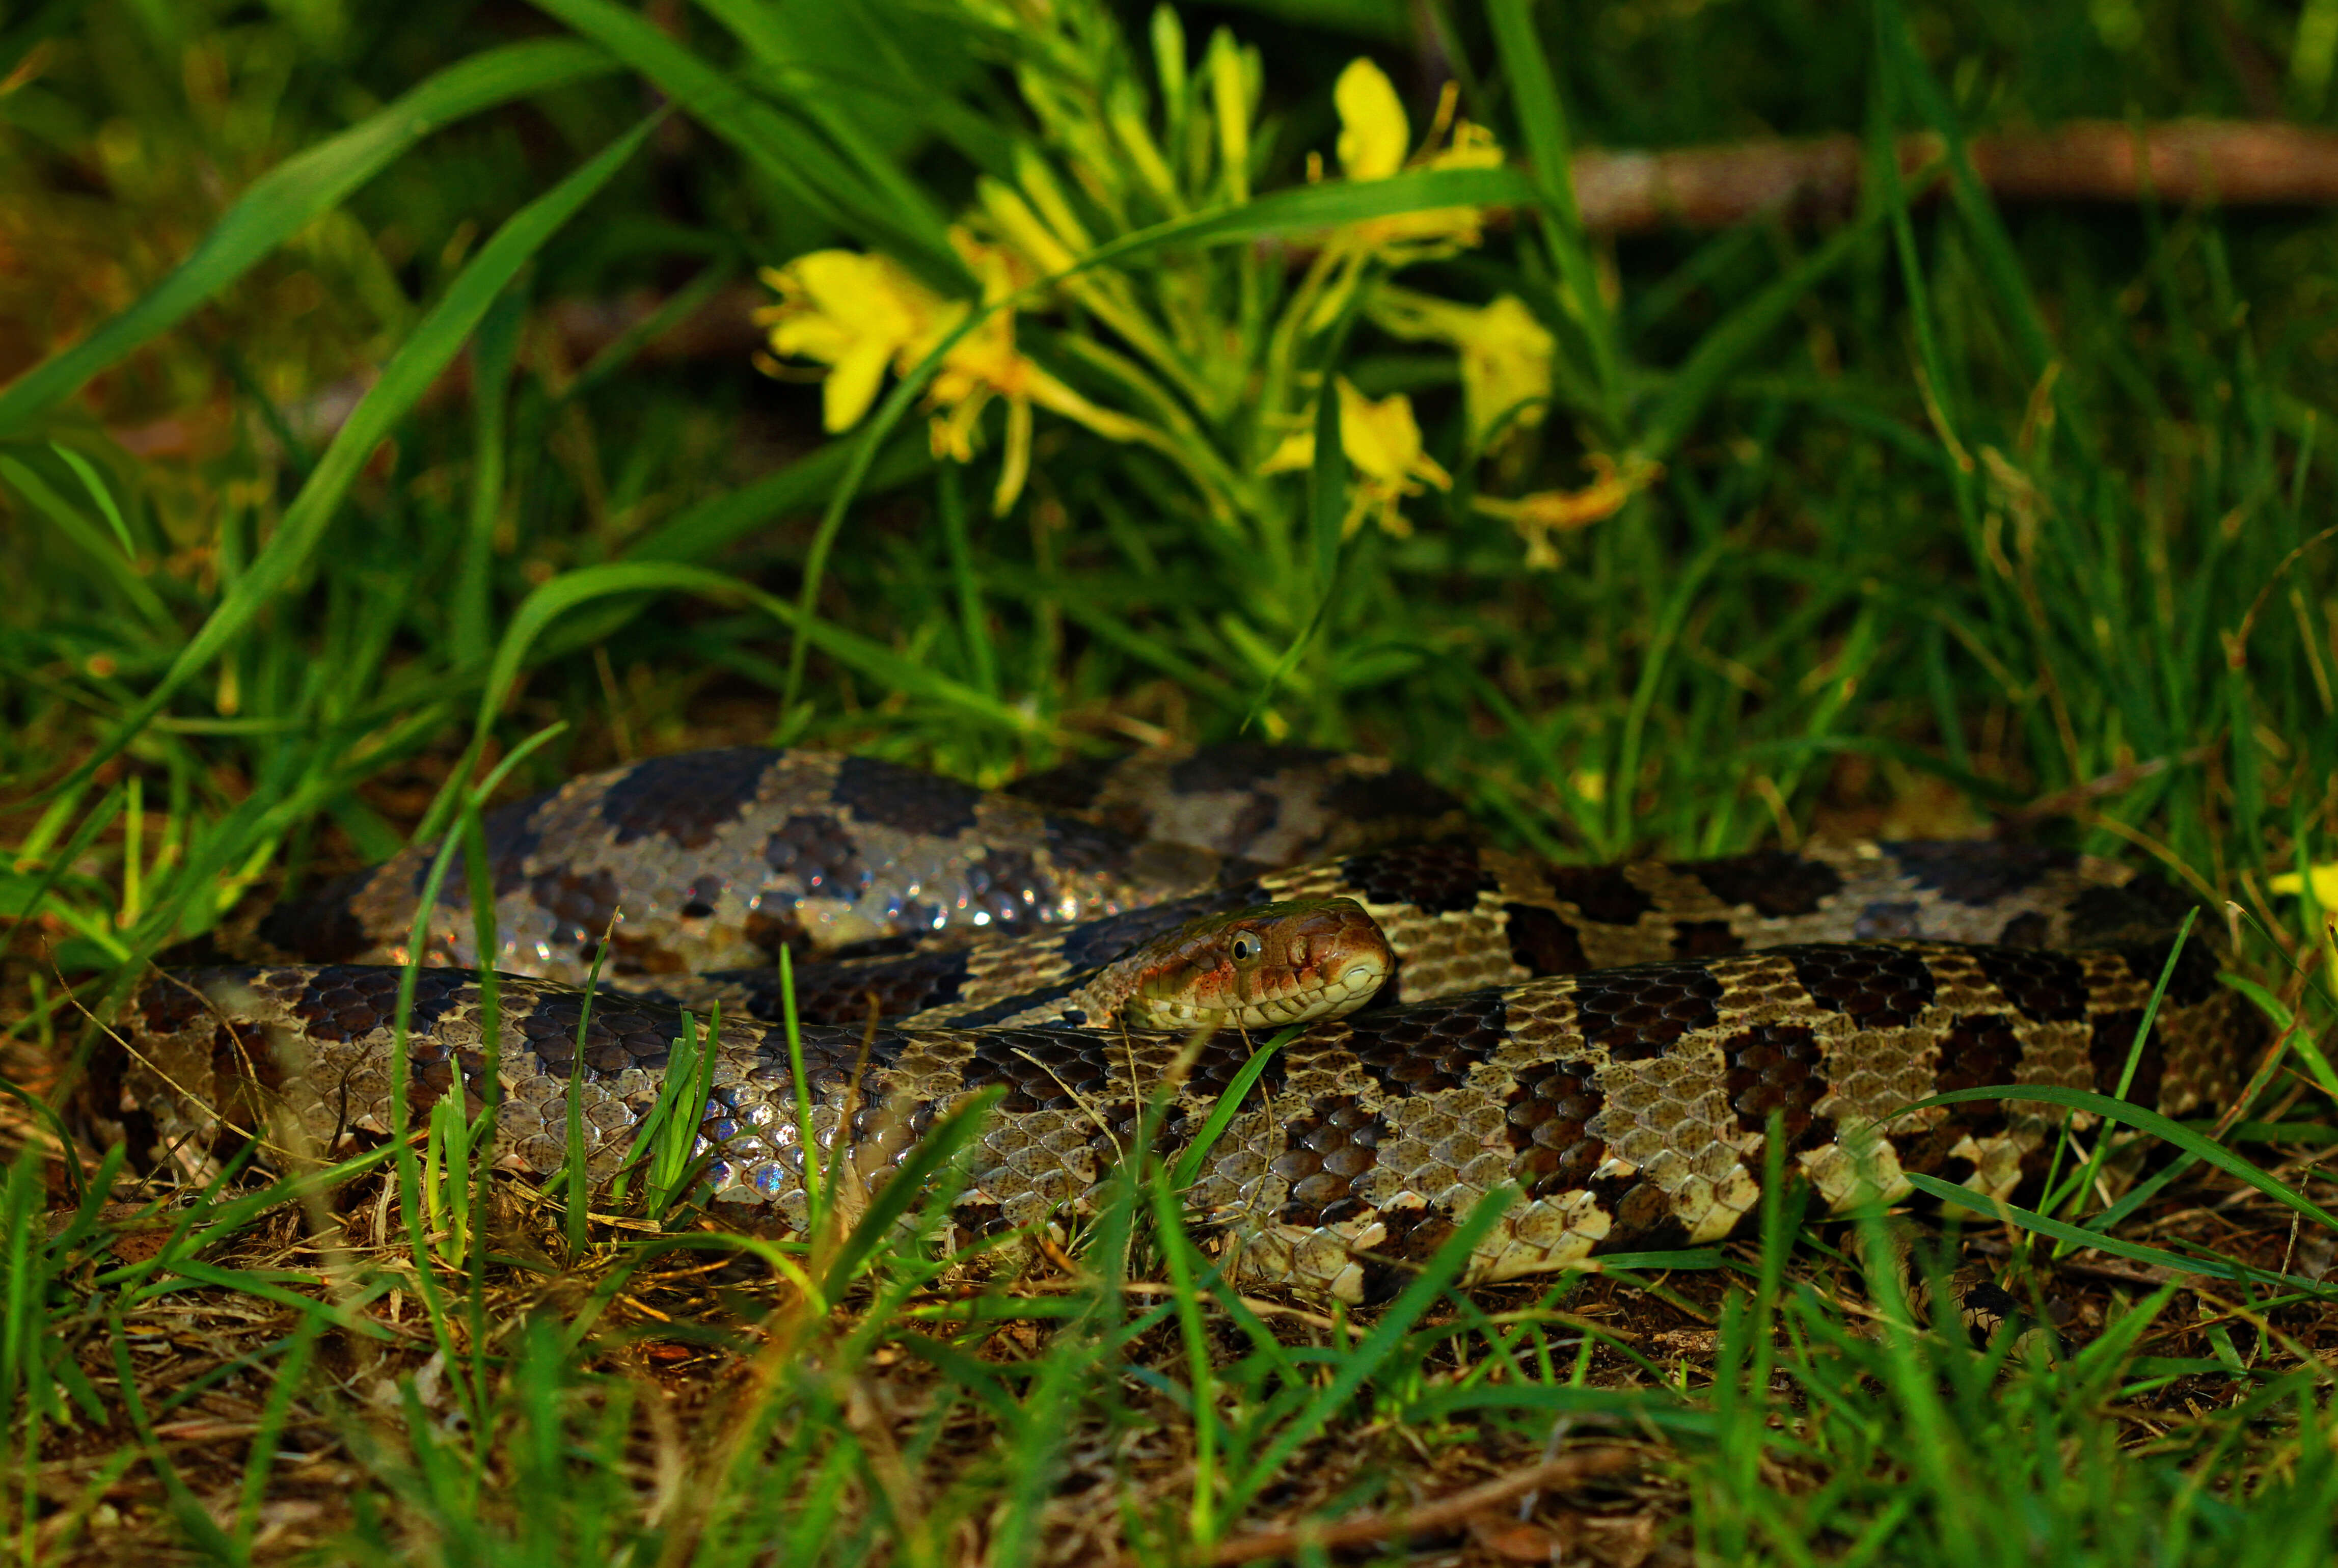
[1744, 330]
[243, 1280]
[2136, 1116]
[1550, 153]
[779, 38]
[1188, 1169]
[906, 1183]
[1628, 1408]
[803, 164]
[1974, 206]
[1306, 210]
[2085, 1178]
[2078, 1236]
[120, 568]
[99, 494]
[418, 361]
[871, 659]
[714, 525]
[1387, 1335]
[297, 192]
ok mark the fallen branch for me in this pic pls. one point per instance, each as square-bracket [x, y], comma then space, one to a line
[2231, 162]
[2227, 162]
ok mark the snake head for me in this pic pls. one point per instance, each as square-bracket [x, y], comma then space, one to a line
[1262, 967]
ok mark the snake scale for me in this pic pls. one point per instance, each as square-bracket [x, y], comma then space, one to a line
[1613, 1040]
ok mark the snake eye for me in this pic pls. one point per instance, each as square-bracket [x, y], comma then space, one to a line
[1244, 947]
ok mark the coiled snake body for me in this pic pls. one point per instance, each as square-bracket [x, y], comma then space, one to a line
[1602, 1037]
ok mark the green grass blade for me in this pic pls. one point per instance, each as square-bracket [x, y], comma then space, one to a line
[1188, 1169]
[1308, 210]
[2085, 1178]
[815, 1184]
[99, 496]
[1634, 1407]
[871, 659]
[1550, 153]
[904, 1186]
[1387, 1335]
[297, 192]
[798, 161]
[493, 354]
[714, 524]
[2151, 1121]
[417, 364]
[2077, 1236]
[120, 569]
[776, 37]
[202, 1531]
[1973, 204]
[1733, 340]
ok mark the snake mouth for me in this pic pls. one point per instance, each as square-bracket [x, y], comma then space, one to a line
[1357, 982]
[1299, 962]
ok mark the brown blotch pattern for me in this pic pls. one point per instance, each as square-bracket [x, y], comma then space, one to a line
[684, 797]
[1636, 1013]
[1327, 1154]
[1881, 987]
[1777, 1069]
[1429, 1046]
[1602, 893]
[1705, 939]
[1628, 1100]
[1543, 942]
[2044, 987]
[1437, 879]
[1772, 883]
[905, 798]
[1547, 1113]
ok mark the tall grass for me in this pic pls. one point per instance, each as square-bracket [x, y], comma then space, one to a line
[1965, 515]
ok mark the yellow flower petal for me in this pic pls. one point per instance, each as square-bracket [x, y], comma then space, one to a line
[1506, 359]
[855, 312]
[852, 385]
[1053, 395]
[2325, 884]
[1380, 439]
[1538, 515]
[861, 315]
[1383, 439]
[1295, 452]
[1016, 467]
[1374, 130]
[1472, 147]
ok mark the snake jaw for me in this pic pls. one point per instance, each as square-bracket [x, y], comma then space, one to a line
[1273, 964]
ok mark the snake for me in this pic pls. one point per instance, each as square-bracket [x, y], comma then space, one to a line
[1612, 1046]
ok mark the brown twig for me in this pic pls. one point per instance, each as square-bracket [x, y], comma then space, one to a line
[1567, 1470]
[2234, 163]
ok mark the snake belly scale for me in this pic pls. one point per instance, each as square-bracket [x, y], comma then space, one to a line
[1595, 1035]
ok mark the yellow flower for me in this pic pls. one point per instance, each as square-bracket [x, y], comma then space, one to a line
[1374, 130]
[859, 314]
[1506, 354]
[1382, 440]
[1373, 135]
[2325, 884]
[1538, 515]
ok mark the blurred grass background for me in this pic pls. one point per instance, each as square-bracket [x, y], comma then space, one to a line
[1965, 512]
